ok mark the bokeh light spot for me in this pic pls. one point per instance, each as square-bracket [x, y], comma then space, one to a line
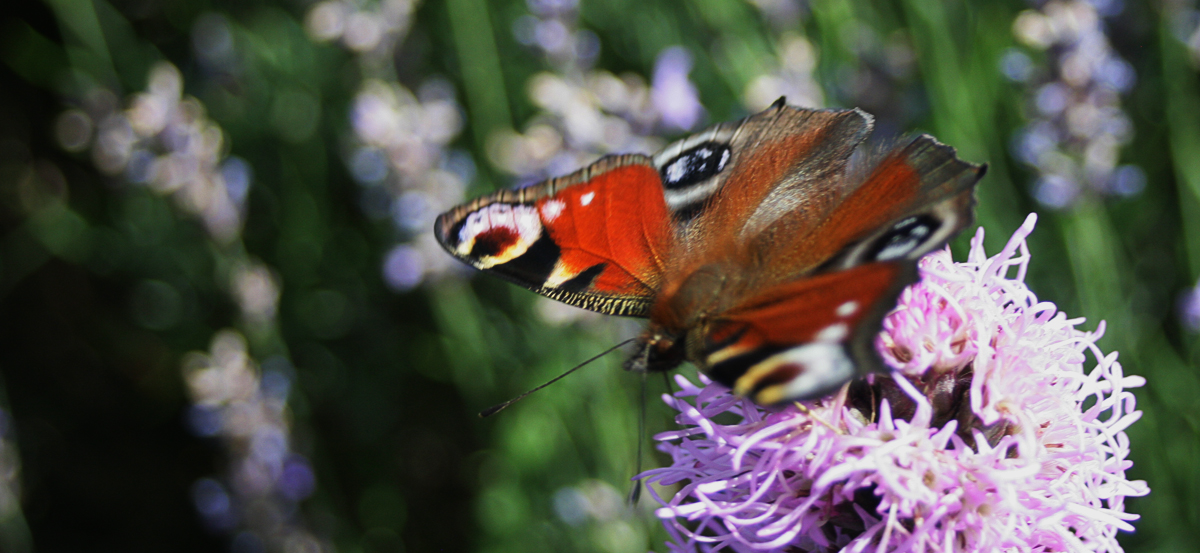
[297, 480]
[326, 20]
[276, 380]
[1055, 191]
[1127, 181]
[213, 503]
[204, 420]
[1189, 308]
[73, 129]
[237, 175]
[1016, 65]
[212, 40]
[570, 505]
[369, 166]
[403, 268]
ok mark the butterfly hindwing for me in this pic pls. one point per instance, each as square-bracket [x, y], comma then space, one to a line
[595, 239]
[802, 338]
[901, 204]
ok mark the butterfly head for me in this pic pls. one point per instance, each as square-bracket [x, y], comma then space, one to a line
[659, 350]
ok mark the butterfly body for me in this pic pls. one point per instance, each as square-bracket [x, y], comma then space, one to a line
[765, 251]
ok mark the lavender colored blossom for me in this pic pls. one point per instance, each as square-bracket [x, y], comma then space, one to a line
[245, 407]
[1077, 127]
[1189, 308]
[164, 141]
[990, 434]
[674, 96]
[399, 152]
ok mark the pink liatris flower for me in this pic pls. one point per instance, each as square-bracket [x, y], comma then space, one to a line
[989, 435]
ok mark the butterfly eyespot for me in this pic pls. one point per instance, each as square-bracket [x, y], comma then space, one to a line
[779, 374]
[799, 372]
[493, 241]
[497, 233]
[905, 236]
[696, 164]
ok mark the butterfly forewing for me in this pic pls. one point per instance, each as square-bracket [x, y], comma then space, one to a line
[595, 239]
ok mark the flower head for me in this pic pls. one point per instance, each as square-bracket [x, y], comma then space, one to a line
[989, 435]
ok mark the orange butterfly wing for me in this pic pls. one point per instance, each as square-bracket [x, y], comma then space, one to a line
[594, 239]
[800, 339]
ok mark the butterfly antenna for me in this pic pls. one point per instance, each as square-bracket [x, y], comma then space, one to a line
[497, 408]
[636, 492]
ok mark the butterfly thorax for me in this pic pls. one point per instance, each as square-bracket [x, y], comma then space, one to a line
[679, 317]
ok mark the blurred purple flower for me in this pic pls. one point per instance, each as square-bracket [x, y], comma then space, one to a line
[297, 480]
[1078, 128]
[674, 96]
[1189, 308]
[403, 267]
[990, 435]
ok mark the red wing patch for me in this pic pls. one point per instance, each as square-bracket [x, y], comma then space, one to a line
[596, 239]
[792, 341]
[617, 221]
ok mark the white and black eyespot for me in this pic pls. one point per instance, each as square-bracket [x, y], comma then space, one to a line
[905, 237]
[696, 164]
[495, 234]
[801, 372]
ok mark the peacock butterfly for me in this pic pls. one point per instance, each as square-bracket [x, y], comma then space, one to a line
[765, 251]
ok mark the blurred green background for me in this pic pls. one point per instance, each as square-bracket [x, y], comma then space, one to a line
[225, 325]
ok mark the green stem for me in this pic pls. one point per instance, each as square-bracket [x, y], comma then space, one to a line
[481, 72]
[1183, 125]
